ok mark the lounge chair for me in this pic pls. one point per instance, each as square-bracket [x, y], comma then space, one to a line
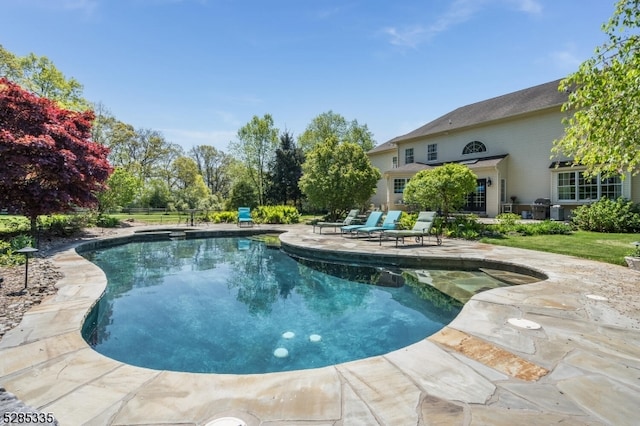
[244, 216]
[372, 220]
[349, 220]
[390, 222]
[421, 229]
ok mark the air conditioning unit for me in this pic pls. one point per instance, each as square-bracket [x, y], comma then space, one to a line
[557, 212]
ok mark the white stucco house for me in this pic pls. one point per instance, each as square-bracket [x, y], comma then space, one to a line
[507, 143]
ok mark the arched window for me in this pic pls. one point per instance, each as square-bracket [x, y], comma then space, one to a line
[475, 146]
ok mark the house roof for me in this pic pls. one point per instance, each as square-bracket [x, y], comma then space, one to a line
[476, 163]
[387, 146]
[525, 101]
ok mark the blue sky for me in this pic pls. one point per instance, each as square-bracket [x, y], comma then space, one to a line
[198, 70]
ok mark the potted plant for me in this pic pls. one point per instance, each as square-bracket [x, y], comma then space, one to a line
[633, 260]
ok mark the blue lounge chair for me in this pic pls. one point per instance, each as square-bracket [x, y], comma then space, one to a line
[421, 229]
[372, 220]
[349, 220]
[244, 216]
[390, 222]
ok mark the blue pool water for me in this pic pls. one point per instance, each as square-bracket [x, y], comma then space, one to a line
[226, 305]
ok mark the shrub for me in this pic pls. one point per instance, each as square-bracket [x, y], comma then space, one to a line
[463, 226]
[21, 241]
[220, 217]
[8, 255]
[546, 227]
[276, 214]
[607, 215]
[407, 220]
[13, 224]
[63, 225]
[105, 221]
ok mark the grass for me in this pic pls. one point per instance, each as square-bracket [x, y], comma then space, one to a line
[173, 218]
[609, 248]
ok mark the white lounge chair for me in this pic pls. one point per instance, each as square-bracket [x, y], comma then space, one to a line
[422, 228]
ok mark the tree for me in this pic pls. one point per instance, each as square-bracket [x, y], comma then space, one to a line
[214, 166]
[196, 195]
[330, 124]
[185, 171]
[603, 133]
[243, 194]
[258, 140]
[443, 188]
[286, 171]
[39, 75]
[337, 176]
[122, 190]
[49, 162]
[145, 153]
[155, 194]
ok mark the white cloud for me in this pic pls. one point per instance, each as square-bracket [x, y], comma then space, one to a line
[459, 12]
[412, 36]
[528, 6]
[409, 37]
[566, 60]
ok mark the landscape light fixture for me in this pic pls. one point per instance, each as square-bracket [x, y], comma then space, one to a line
[26, 251]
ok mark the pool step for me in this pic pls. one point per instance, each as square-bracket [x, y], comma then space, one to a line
[463, 285]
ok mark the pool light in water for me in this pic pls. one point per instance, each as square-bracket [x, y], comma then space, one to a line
[288, 335]
[281, 353]
[315, 338]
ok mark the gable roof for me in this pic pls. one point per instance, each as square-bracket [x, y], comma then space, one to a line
[525, 101]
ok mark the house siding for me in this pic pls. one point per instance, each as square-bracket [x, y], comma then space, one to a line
[525, 141]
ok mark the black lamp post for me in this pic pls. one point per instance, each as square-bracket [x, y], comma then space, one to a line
[26, 251]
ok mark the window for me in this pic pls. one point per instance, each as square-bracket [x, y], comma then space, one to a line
[611, 188]
[475, 146]
[575, 186]
[398, 185]
[408, 156]
[432, 152]
[394, 162]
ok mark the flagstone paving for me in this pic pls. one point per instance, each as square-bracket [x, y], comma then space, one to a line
[581, 366]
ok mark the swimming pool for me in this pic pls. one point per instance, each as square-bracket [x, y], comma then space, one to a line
[234, 305]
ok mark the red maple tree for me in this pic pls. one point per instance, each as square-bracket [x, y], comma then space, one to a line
[48, 162]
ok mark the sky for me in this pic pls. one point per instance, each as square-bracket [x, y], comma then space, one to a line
[199, 70]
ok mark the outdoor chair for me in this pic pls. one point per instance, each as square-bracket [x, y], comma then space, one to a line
[244, 216]
[390, 222]
[372, 220]
[349, 220]
[422, 228]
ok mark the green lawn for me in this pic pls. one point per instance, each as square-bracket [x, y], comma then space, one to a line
[173, 218]
[610, 248]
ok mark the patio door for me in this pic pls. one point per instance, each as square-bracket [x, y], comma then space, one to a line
[477, 200]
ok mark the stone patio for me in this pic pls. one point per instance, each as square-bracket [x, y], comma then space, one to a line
[581, 366]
